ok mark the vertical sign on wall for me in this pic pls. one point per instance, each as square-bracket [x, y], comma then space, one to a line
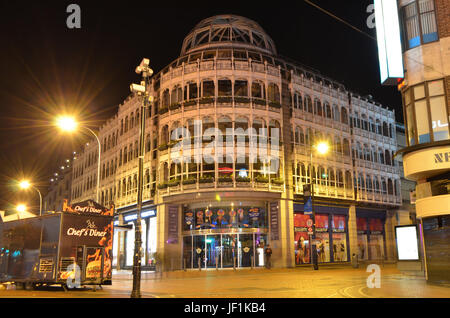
[389, 43]
[307, 208]
[275, 234]
[173, 224]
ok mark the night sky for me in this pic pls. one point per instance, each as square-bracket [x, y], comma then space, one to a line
[47, 69]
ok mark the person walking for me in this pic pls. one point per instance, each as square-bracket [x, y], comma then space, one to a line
[268, 254]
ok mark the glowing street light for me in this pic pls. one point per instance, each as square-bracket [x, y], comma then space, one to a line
[66, 123]
[24, 185]
[21, 208]
[322, 148]
[69, 124]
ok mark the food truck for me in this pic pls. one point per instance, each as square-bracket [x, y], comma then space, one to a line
[74, 245]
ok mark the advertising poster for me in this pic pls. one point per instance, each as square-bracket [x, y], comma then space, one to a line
[93, 232]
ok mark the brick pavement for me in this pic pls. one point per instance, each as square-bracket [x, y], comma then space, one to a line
[327, 282]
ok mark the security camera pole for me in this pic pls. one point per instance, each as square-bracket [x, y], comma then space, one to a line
[140, 90]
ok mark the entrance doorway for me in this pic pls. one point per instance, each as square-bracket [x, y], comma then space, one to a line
[224, 250]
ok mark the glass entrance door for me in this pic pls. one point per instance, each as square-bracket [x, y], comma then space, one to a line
[213, 249]
[245, 249]
[229, 250]
[199, 251]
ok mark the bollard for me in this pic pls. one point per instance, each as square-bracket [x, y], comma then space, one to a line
[217, 263]
[199, 264]
[355, 261]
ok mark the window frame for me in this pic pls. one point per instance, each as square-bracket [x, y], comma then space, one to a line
[412, 103]
[402, 13]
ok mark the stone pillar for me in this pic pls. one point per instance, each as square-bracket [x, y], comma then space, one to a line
[352, 231]
[285, 246]
[169, 248]
[389, 236]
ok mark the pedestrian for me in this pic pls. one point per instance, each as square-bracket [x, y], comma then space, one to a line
[268, 254]
[158, 265]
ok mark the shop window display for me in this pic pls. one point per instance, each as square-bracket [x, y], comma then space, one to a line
[322, 238]
[376, 239]
[361, 225]
[302, 248]
[339, 238]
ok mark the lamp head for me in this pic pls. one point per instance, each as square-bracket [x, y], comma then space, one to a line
[24, 184]
[66, 123]
[21, 208]
[322, 148]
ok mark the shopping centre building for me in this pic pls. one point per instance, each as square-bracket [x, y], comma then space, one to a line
[212, 213]
[426, 102]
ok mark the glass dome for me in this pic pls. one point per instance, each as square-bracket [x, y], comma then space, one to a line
[228, 31]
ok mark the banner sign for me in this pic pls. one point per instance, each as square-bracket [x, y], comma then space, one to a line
[275, 234]
[307, 209]
[88, 206]
[173, 224]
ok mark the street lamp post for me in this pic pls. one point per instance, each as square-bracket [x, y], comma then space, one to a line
[66, 123]
[25, 185]
[140, 90]
[322, 148]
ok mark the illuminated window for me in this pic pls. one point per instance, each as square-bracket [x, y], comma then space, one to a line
[419, 23]
[426, 113]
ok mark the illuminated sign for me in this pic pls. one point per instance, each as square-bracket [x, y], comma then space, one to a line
[407, 243]
[388, 38]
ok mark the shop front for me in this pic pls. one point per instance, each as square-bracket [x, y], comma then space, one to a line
[371, 235]
[224, 234]
[124, 240]
[331, 234]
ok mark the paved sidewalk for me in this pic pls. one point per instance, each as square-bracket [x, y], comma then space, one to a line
[327, 282]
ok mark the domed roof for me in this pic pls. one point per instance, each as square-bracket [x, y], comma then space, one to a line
[228, 30]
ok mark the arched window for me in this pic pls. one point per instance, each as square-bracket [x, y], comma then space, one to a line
[224, 124]
[258, 125]
[191, 91]
[372, 127]
[346, 147]
[318, 107]
[273, 93]
[385, 129]
[327, 110]
[379, 129]
[207, 123]
[208, 88]
[165, 98]
[273, 125]
[164, 135]
[241, 123]
[258, 90]
[177, 95]
[369, 182]
[387, 157]
[225, 87]
[308, 104]
[125, 155]
[336, 113]
[348, 179]
[344, 116]
[126, 123]
[241, 88]
[390, 187]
